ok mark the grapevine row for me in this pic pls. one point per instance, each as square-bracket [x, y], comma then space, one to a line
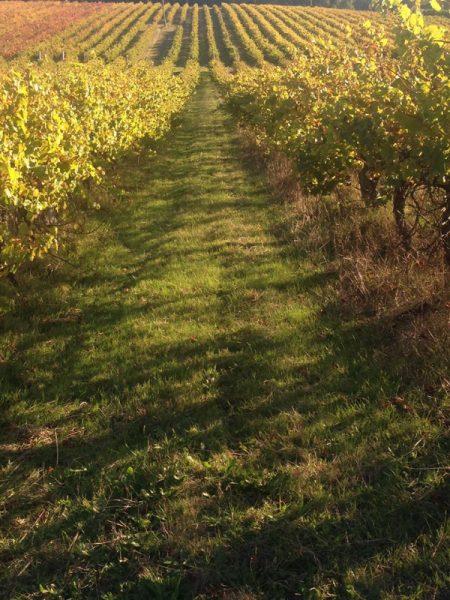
[270, 50]
[228, 43]
[268, 29]
[110, 32]
[118, 46]
[245, 33]
[142, 44]
[194, 49]
[213, 51]
[286, 29]
[175, 49]
[378, 111]
[59, 132]
[251, 49]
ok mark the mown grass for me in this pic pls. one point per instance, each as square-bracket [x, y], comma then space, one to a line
[182, 416]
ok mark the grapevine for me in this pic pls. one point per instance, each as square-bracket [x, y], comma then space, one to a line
[60, 130]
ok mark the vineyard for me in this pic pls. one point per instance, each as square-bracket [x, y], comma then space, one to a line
[338, 106]
[224, 277]
[234, 34]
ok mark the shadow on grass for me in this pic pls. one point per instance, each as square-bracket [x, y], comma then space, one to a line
[219, 434]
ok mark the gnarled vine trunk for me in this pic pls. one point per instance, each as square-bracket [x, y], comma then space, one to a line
[399, 203]
[368, 186]
[445, 227]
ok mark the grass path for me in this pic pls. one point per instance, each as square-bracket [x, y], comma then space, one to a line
[180, 420]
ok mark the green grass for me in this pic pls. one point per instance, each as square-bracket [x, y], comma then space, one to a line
[181, 417]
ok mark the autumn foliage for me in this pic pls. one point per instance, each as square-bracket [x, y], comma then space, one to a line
[23, 24]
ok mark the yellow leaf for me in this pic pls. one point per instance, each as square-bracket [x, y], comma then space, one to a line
[435, 5]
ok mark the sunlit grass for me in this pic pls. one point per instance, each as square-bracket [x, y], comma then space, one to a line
[182, 419]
